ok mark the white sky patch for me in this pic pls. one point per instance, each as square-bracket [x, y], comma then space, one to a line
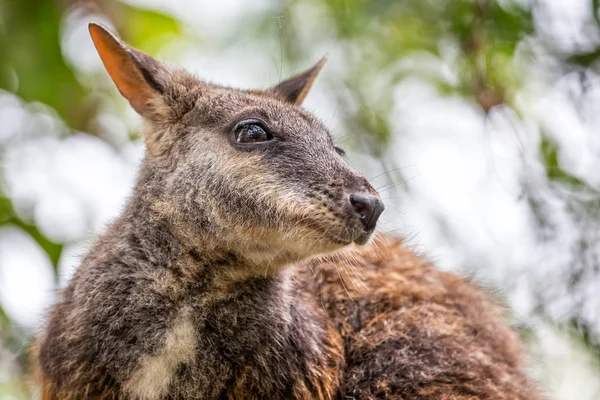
[469, 175]
[76, 44]
[71, 186]
[567, 24]
[569, 127]
[26, 277]
[70, 259]
[12, 115]
[566, 368]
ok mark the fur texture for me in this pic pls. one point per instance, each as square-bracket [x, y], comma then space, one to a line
[199, 290]
[413, 332]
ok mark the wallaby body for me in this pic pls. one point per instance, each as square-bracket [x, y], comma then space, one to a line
[200, 289]
[147, 318]
[412, 332]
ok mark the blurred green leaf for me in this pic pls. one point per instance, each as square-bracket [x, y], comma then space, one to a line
[553, 169]
[30, 46]
[145, 29]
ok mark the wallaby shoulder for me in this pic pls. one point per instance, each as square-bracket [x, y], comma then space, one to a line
[414, 332]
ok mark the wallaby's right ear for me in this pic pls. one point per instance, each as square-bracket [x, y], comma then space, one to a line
[295, 89]
[140, 78]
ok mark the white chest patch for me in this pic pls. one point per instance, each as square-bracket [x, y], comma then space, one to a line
[152, 378]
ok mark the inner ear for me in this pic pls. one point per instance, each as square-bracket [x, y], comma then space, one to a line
[139, 77]
[295, 89]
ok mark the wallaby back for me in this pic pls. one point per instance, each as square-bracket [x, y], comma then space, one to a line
[413, 332]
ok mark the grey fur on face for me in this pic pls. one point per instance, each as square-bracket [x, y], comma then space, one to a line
[282, 200]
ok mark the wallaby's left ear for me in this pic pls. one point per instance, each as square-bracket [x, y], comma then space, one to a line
[295, 89]
[140, 78]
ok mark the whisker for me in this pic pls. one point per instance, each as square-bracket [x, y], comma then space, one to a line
[343, 283]
[280, 21]
[337, 106]
[356, 266]
[390, 171]
[349, 277]
[395, 185]
[361, 279]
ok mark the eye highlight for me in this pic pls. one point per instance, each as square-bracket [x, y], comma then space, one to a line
[339, 150]
[251, 132]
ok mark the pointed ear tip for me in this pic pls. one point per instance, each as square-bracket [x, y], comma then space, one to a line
[102, 36]
[95, 27]
[98, 30]
[322, 61]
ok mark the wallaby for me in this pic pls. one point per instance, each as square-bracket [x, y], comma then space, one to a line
[201, 289]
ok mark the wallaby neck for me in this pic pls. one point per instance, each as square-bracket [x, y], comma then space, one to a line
[156, 242]
[152, 229]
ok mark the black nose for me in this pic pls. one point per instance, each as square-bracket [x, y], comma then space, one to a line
[368, 208]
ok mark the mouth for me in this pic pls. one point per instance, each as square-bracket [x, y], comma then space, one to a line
[355, 224]
[360, 238]
[363, 238]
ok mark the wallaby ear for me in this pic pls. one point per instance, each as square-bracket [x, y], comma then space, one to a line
[140, 78]
[295, 89]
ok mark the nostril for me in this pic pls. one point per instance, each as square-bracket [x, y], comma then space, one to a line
[368, 208]
[360, 207]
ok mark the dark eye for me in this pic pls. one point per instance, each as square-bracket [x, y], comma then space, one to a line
[251, 132]
[339, 150]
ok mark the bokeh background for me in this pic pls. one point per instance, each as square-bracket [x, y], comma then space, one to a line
[477, 120]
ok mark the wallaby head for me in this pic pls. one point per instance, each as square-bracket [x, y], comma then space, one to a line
[247, 173]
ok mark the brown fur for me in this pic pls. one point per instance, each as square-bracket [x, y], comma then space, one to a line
[413, 332]
[199, 290]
